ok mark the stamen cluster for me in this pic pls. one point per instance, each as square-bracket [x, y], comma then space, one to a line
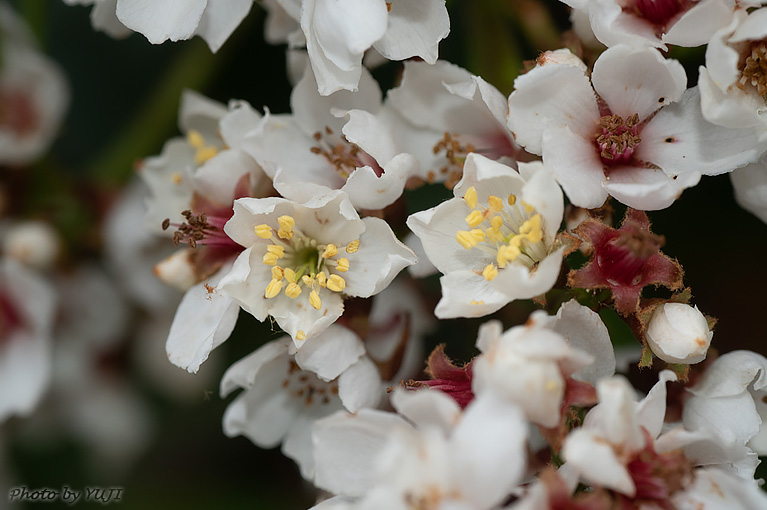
[618, 138]
[754, 68]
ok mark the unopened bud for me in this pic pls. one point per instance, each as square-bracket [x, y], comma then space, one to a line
[177, 270]
[678, 333]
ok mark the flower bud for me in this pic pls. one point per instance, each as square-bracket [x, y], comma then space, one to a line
[678, 333]
[33, 243]
[177, 270]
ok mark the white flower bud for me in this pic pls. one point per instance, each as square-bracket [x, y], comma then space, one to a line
[33, 243]
[177, 270]
[679, 333]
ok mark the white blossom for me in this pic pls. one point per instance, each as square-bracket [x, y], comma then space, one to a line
[679, 333]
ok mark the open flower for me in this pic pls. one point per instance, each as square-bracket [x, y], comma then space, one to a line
[495, 241]
[300, 260]
[637, 135]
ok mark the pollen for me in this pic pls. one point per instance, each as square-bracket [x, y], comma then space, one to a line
[471, 197]
[293, 290]
[277, 273]
[270, 259]
[263, 231]
[195, 139]
[273, 289]
[495, 204]
[330, 251]
[473, 302]
[308, 280]
[277, 250]
[353, 246]
[336, 283]
[490, 272]
[176, 177]
[300, 335]
[314, 300]
[475, 218]
[465, 239]
[342, 265]
[321, 279]
[204, 154]
[512, 199]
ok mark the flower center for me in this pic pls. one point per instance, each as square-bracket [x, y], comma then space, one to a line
[753, 68]
[344, 156]
[510, 230]
[300, 263]
[660, 12]
[618, 139]
[455, 154]
[203, 151]
[18, 112]
[308, 387]
[200, 229]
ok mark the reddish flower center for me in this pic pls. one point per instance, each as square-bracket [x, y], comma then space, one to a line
[623, 256]
[618, 139]
[17, 112]
[753, 67]
[660, 12]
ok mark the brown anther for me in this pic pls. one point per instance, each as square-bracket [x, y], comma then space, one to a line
[754, 68]
[165, 223]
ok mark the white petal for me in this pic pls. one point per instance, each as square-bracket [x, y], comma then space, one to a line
[750, 184]
[518, 282]
[552, 95]
[734, 108]
[678, 139]
[25, 371]
[415, 28]
[371, 134]
[331, 352]
[468, 294]
[697, 25]
[731, 374]
[217, 179]
[160, 21]
[426, 408]
[200, 113]
[596, 461]
[612, 25]
[220, 19]
[243, 373]
[346, 447]
[360, 385]
[203, 321]
[647, 189]
[168, 177]
[651, 411]
[716, 489]
[423, 267]
[369, 191]
[637, 80]
[263, 414]
[381, 256]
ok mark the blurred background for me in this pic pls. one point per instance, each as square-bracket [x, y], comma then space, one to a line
[120, 415]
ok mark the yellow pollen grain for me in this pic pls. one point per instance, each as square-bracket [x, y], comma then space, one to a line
[176, 177]
[308, 280]
[336, 283]
[300, 335]
[274, 288]
[286, 222]
[494, 235]
[270, 259]
[292, 290]
[471, 197]
[285, 234]
[490, 272]
[195, 139]
[495, 203]
[529, 208]
[512, 199]
[330, 251]
[465, 239]
[353, 246]
[263, 231]
[478, 234]
[497, 222]
[474, 218]
[314, 300]
[204, 154]
[277, 273]
[473, 302]
[342, 265]
[321, 279]
[277, 250]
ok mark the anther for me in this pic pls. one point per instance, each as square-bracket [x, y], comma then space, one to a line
[342, 265]
[330, 251]
[353, 246]
[336, 283]
[314, 300]
[471, 197]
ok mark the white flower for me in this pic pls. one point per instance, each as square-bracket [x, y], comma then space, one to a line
[447, 459]
[284, 395]
[338, 32]
[34, 243]
[494, 242]
[301, 259]
[643, 143]
[313, 151]
[213, 20]
[750, 184]
[27, 306]
[679, 333]
[715, 489]
[527, 365]
[733, 83]
[656, 22]
[33, 94]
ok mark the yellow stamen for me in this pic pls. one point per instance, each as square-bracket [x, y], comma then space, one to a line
[495, 203]
[277, 273]
[292, 290]
[353, 246]
[290, 275]
[472, 302]
[277, 250]
[336, 283]
[263, 231]
[494, 235]
[342, 265]
[285, 234]
[286, 222]
[465, 239]
[195, 139]
[474, 218]
[300, 335]
[176, 177]
[471, 197]
[490, 272]
[330, 251]
[204, 154]
[507, 253]
[274, 288]
[478, 234]
[497, 222]
[314, 300]
[529, 208]
[512, 199]
[308, 280]
[270, 259]
[321, 279]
